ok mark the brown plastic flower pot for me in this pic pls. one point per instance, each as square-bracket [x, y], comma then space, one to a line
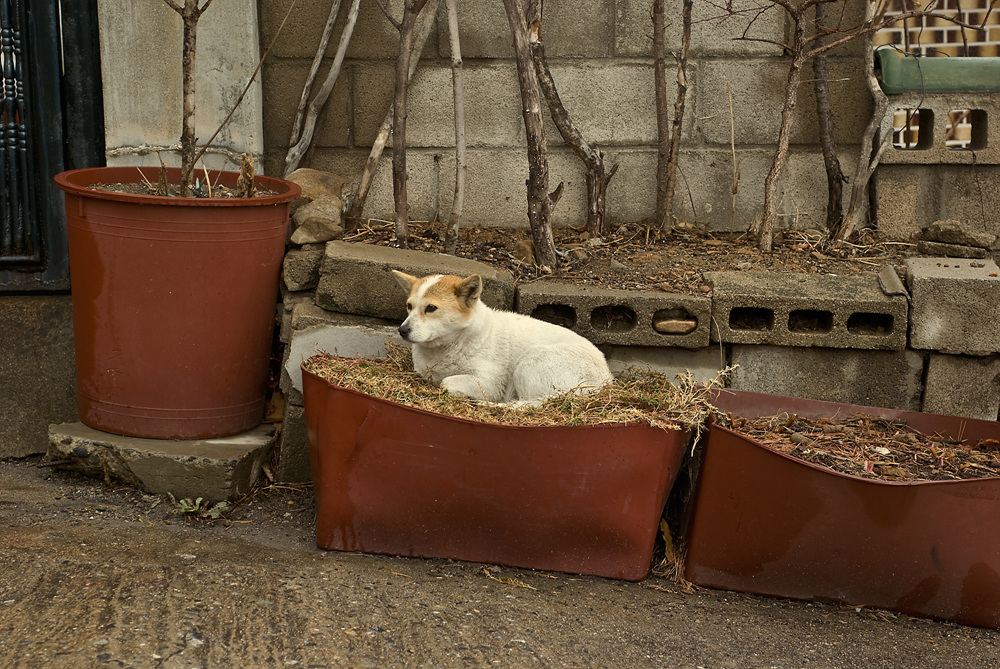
[768, 523]
[173, 303]
[396, 480]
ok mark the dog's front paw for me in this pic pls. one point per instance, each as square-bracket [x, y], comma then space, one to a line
[465, 385]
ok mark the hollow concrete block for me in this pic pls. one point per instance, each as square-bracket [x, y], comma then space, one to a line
[806, 310]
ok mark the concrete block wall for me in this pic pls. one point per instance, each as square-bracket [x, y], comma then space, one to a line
[905, 347]
[600, 56]
[913, 187]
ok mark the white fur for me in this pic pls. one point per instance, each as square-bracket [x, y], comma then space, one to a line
[478, 352]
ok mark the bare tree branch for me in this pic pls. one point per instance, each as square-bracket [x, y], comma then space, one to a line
[593, 159]
[540, 201]
[455, 218]
[295, 153]
[423, 31]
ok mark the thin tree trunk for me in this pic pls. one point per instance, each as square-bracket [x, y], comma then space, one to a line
[411, 9]
[455, 218]
[295, 153]
[664, 220]
[765, 234]
[324, 41]
[834, 175]
[540, 202]
[857, 210]
[381, 139]
[597, 178]
[190, 12]
[675, 132]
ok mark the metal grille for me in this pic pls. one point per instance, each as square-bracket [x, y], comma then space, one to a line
[19, 239]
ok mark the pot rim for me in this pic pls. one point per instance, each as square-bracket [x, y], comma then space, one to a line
[77, 182]
[680, 429]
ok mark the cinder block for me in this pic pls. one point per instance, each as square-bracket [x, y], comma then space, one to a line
[344, 335]
[283, 81]
[357, 278]
[931, 128]
[621, 317]
[806, 310]
[955, 305]
[704, 364]
[958, 385]
[874, 378]
[612, 103]
[905, 199]
[758, 87]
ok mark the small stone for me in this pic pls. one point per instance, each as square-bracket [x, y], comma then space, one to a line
[714, 242]
[317, 183]
[578, 254]
[705, 289]
[318, 221]
[954, 232]
[675, 325]
[616, 265]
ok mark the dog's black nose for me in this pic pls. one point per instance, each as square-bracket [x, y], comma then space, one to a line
[404, 332]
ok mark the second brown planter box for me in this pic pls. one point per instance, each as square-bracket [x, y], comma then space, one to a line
[768, 523]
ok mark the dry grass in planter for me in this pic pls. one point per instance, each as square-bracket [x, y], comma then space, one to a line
[635, 397]
[872, 448]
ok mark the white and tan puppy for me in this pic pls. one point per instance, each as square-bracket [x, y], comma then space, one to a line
[478, 352]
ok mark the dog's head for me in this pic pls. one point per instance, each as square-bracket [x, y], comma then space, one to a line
[437, 305]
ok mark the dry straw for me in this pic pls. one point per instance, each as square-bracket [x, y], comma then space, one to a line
[636, 396]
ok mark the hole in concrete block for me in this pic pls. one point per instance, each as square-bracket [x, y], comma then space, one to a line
[812, 321]
[913, 129]
[863, 323]
[560, 314]
[966, 130]
[613, 318]
[751, 318]
[675, 321]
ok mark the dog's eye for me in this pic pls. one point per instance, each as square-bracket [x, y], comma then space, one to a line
[409, 307]
[430, 309]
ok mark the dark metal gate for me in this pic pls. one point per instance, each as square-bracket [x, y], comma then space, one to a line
[50, 91]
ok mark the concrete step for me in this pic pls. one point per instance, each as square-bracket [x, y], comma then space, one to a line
[213, 469]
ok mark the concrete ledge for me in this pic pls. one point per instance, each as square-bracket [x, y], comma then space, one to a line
[956, 305]
[806, 310]
[343, 335]
[356, 278]
[621, 317]
[213, 469]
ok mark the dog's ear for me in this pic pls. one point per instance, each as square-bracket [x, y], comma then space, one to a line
[469, 290]
[405, 280]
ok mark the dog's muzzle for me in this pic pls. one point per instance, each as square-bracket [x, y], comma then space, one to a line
[404, 332]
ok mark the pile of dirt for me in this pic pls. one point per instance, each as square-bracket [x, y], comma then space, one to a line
[873, 448]
[633, 256]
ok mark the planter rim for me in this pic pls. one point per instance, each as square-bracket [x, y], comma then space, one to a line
[826, 470]
[603, 426]
[78, 182]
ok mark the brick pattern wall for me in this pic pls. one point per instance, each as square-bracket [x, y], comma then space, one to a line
[939, 37]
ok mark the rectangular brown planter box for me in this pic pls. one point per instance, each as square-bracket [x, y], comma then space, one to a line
[768, 523]
[396, 480]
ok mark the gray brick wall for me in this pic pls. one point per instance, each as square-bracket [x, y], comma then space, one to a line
[600, 54]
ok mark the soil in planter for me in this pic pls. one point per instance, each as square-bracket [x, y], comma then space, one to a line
[872, 448]
[142, 188]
